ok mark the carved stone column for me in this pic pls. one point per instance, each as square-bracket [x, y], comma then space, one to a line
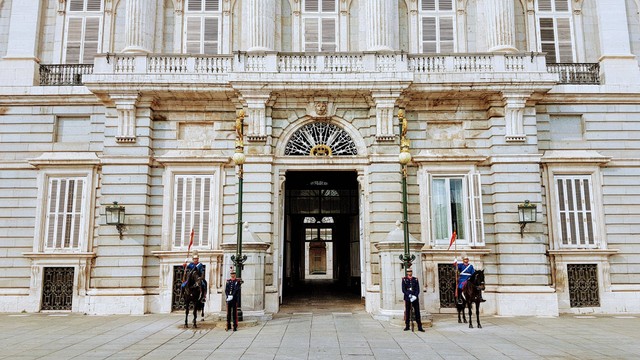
[261, 25]
[500, 19]
[140, 26]
[380, 16]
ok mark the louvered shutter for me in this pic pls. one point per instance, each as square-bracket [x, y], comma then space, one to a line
[311, 6]
[547, 39]
[178, 211]
[76, 5]
[74, 40]
[194, 5]
[561, 5]
[446, 35]
[91, 39]
[575, 211]
[211, 31]
[64, 213]
[429, 213]
[428, 5]
[328, 5]
[544, 5]
[565, 45]
[94, 5]
[311, 40]
[192, 210]
[429, 35]
[212, 5]
[476, 220]
[192, 39]
[328, 35]
[51, 223]
[445, 5]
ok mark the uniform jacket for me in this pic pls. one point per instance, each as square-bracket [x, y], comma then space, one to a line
[198, 267]
[465, 272]
[410, 286]
[232, 288]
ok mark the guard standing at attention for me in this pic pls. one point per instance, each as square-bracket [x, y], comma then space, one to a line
[411, 290]
[231, 290]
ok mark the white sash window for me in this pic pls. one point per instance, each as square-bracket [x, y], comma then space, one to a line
[192, 210]
[320, 25]
[83, 31]
[456, 205]
[65, 220]
[202, 27]
[437, 26]
[575, 211]
[555, 30]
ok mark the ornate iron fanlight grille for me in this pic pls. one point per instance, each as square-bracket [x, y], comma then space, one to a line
[447, 285]
[583, 285]
[321, 139]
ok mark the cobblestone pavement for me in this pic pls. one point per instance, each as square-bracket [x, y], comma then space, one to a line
[316, 335]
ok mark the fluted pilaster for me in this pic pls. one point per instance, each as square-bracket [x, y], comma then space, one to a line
[140, 26]
[500, 19]
[261, 27]
[380, 17]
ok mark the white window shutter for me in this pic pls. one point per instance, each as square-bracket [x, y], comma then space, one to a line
[76, 5]
[78, 216]
[564, 44]
[194, 5]
[547, 39]
[445, 5]
[193, 35]
[476, 219]
[328, 35]
[561, 5]
[311, 39]
[94, 5]
[446, 35]
[91, 39]
[429, 213]
[52, 200]
[311, 6]
[428, 5]
[206, 211]
[212, 5]
[544, 5]
[429, 35]
[211, 36]
[328, 6]
[178, 211]
[74, 40]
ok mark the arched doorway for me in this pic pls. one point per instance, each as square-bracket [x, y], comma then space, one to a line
[322, 238]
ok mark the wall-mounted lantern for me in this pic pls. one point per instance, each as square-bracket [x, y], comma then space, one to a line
[115, 216]
[526, 214]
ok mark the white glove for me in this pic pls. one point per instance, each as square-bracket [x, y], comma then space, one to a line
[412, 298]
[229, 297]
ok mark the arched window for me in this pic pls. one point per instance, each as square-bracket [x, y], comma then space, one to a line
[321, 139]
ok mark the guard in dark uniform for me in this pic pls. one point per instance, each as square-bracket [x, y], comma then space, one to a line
[231, 291]
[411, 290]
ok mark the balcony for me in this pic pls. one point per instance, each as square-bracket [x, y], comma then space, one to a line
[64, 74]
[576, 73]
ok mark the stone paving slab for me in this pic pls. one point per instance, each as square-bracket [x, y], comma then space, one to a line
[316, 336]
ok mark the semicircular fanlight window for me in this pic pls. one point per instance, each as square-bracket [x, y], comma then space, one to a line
[320, 139]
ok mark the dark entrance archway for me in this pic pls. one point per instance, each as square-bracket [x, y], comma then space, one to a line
[322, 238]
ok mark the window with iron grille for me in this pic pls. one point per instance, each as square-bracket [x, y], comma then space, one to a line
[320, 25]
[555, 30]
[575, 209]
[65, 220]
[437, 26]
[192, 210]
[202, 27]
[83, 31]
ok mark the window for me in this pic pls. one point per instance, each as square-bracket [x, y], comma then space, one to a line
[83, 31]
[456, 205]
[202, 27]
[575, 208]
[555, 30]
[192, 210]
[437, 26]
[320, 19]
[64, 222]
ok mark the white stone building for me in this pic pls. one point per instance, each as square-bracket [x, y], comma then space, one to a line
[135, 101]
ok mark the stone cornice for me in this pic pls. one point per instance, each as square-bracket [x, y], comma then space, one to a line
[66, 159]
[574, 156]
[59, 255]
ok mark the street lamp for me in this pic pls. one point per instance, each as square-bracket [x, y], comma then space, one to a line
[239, 159]
[115, 216]
[526, 214]
[405, 159]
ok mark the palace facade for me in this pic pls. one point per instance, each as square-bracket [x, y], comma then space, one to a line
[135, 102]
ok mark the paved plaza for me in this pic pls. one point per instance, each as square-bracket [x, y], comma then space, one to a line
[317, 334]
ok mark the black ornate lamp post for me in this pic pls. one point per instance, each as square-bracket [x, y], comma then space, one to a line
[405, 159]
[239, 159]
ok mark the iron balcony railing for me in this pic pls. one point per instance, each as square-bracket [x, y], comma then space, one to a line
[576, 73]
[64, 74]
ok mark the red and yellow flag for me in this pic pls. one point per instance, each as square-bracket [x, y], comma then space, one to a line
[453, 239]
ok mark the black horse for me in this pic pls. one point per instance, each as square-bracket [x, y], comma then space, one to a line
[192, 294]
[471, 293]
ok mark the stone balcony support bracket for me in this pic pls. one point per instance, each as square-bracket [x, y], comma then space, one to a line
[257, 103]
[126, 108]
[514, 104]
[385, 104]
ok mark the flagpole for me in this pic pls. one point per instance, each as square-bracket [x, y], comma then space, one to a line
[184, 266]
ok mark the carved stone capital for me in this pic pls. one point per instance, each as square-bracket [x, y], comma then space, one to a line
[126, 108]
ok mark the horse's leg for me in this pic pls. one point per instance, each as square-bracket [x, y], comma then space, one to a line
[469, 304]
[195, 314]
[459, 311]
[186, 313]
[478, 314]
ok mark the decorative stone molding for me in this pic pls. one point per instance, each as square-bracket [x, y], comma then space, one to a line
[321, 109]
[385, 104]
[514, 104]
[126, 108]
[257, 102]
[62, 6]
